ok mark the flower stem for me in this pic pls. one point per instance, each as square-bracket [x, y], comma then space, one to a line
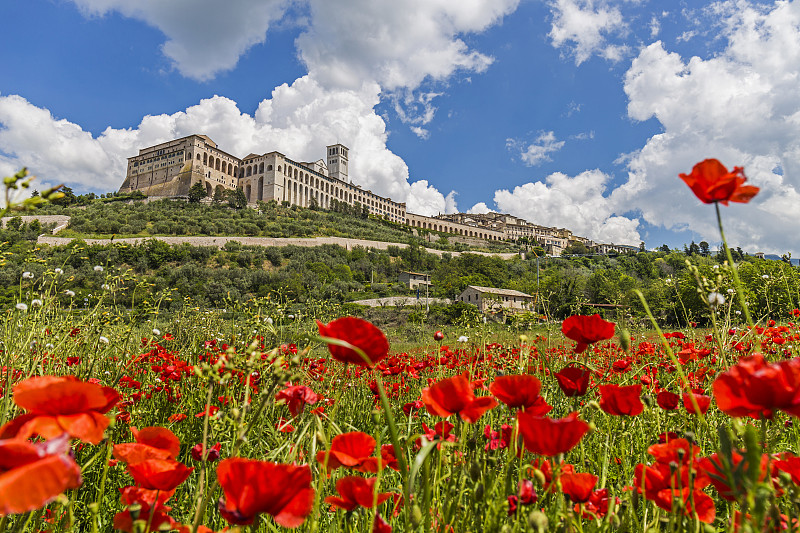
[737, 283]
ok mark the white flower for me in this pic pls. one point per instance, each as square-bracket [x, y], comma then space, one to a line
[765, 276]
[716, 299]
[105, 287]
[27, 275]
[49, 346]
[104, 340]
[730, 291]
[156, 331]
[98, 268]
[268, 320]
[58, 271]
[463, 338]
[738, 312]
[22, 307]
[69, 293]
[36, 302]
[290, 317]
[668, 281]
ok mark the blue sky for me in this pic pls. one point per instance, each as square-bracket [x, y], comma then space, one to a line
[569, 113]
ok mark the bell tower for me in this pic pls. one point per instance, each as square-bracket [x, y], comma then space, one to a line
[337, 162]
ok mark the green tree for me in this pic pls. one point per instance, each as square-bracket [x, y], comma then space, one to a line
[704, 251]
[219, 194]
[575, 248]
[197, 192]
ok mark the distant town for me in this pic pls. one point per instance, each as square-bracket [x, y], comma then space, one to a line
[172, 168]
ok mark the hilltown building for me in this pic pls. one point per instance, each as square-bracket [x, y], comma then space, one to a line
[171, 168]
[491, 299]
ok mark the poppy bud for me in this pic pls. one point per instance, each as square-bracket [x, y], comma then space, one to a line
[505, 529]
[478, 492]
[539, 476]
[438, 336]
[538, 521]
[474, 472]
[625, 339]
[416, 516]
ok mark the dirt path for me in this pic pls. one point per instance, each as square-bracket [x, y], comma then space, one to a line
[219, 242]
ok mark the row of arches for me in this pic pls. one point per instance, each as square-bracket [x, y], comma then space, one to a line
[217, 163]
[432, 226]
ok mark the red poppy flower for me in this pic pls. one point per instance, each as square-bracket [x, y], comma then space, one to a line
[454, 395]
[621, 400]
[597, 504]
[32, 475]
[548, 436]
[296, 397]
[151, 505]
[578, 487]
[520, 391]
[668, 400]
[57, 405]
[151, 443]
[159, 474]
[438, 336]
[359, 333]
[573, 380]
[379, 525]
[712, 466]
[354, 491]
[755, 388]
[352, 450]
[703, 402]
[254, 487]
[711, 182]
[212, 453]
[586, 330]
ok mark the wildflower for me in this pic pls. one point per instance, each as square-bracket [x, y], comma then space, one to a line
[586, 330]
[212, 454]
[573, 380]
[156, 332]
[21, 306]
[151, 443]
[578, 487]
[36, 302]
[159, 474]
[755, 388]
[296, 397]
[668, 400]
[57, 405]
[438, 336]
[520, 392]
[27, 275]
[58, 271]
[765, 276]
[105, 287]
[32, 475]
[621, 400]
[104, 340]
[711, 182]
[715, 299]
[98, 268]
[463, 338]
[358, 333]
[703, 403]
[454, 395]
[253, 487]
[354, 491]
[69, 293]
[549, 436]
[352, 450]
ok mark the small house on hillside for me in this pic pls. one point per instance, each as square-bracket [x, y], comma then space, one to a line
[489, 298]
[414, 279]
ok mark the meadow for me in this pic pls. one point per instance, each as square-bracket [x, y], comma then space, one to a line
[267, 415]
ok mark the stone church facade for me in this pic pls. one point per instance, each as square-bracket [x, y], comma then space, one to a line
[172, 168]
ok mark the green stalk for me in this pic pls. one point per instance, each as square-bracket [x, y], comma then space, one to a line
[734, 272]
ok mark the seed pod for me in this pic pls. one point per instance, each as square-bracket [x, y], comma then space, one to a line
[538, 521]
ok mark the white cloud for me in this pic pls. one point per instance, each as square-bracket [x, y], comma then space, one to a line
[578, 203]
[479, 209]
[740, 107]
[584, 27]
[354, 57]
[450, 205]
[539, 151]
[204, 37]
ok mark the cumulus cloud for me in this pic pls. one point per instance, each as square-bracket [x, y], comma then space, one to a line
[539, 151]
[578, 203]
[355, 56]
[583, 26]
[479, 209]
[204, 37]
[740, 107]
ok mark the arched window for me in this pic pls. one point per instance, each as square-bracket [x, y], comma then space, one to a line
[261, 168]
[279, 168]
[198, 157]
[205, 159]
[269, 167]
[249, 170]
[217, 165]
